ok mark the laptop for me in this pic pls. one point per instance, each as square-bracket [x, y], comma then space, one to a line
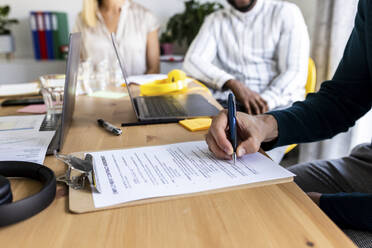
[61, 122]
[165, 108]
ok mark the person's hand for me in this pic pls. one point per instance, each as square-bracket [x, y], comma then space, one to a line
[252, 131]
[251, 100]
[315, 196]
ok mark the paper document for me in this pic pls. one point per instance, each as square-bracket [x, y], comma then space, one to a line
[20, 89]
[148, 78]
[183, 168]
[108, 94]
[28, 146]
[21, 122]
[143, 79]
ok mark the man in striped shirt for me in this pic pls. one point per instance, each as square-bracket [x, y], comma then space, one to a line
[259, 49]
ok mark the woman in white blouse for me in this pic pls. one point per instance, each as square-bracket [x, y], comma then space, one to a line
[136, 30]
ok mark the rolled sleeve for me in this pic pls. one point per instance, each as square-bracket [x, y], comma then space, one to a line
[203, 50]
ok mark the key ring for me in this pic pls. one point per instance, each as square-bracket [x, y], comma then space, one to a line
[84, 167]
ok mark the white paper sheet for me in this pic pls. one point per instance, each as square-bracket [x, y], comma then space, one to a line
[147, 172]
[143, 79]
[19, 89]
[21, 122]
[24, 145]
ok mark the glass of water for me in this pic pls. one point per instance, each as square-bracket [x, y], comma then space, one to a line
[52, 89]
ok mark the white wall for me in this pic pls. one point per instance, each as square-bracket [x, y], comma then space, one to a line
[162, 8]
[308, 8]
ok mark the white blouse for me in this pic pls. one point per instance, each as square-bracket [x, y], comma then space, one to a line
[135, 23]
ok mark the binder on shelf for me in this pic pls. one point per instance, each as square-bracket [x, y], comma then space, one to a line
[63, 32]
[42, 35]
[56, 48]
[35, 35]
[49, 35]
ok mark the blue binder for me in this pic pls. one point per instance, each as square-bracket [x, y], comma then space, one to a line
[49, 34]
[35, 36]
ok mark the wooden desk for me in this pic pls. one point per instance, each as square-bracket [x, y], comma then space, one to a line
[270, 216]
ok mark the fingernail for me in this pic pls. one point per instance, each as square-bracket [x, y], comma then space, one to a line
[241, 152]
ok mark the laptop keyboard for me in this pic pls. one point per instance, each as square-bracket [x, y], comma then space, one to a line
[50, 122]
[164, 106]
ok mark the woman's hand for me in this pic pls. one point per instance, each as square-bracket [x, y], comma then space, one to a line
[252, 131]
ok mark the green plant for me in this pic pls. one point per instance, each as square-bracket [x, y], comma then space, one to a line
[5, 22]
[183, 27]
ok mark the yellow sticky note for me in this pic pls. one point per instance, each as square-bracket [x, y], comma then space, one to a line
[197, 124]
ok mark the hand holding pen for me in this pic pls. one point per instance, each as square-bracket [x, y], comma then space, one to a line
[251, 130]
[231, 112]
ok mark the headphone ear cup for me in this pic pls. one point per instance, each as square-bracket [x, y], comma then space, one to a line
[5, 191]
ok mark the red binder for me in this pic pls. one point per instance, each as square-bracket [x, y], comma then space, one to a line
[42, 35]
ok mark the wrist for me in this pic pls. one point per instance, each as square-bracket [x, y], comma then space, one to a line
[230, 84]
[269, 127]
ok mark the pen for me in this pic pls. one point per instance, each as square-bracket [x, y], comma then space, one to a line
[109, 127]
[232, 123]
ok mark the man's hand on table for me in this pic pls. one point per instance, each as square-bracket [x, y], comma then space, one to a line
[251, 100]
[252, 131]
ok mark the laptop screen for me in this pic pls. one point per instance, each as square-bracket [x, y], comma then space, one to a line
[72, 69]
[123, 71]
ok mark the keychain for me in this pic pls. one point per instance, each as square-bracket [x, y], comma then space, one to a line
[84, 167]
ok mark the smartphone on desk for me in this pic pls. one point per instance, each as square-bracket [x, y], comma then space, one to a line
[22, 102]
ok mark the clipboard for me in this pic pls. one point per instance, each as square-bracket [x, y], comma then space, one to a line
[81, 201]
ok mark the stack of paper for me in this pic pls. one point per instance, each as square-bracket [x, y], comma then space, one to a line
[183, 168]
[143, 79]
[19, 89]
[20, 139]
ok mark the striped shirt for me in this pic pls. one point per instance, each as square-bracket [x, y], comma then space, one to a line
[266, 48]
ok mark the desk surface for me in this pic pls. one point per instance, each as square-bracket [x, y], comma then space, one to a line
[271, 216]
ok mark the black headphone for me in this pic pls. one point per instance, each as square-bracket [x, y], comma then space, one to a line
[14, 212]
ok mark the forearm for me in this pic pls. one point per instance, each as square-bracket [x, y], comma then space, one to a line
[332, 110]
[154, 69]
[203, 69]
[348, 210]
[269, 127]
[153, 53]
[281, 95]
[292, 57]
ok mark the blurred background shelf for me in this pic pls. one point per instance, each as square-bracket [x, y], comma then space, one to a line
[21, 70]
